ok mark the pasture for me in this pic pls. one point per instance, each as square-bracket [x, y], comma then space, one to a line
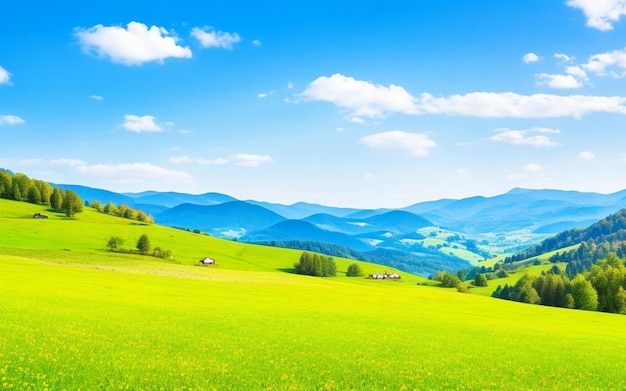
[75, 316]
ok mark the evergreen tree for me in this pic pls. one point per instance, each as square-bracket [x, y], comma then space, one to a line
[143, 244]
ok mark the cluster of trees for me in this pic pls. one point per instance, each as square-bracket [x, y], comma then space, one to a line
[602, 288]
[313, 264]
[609, 233]
[122, 211]
[143, 245]
[20, 187]
[449, 280]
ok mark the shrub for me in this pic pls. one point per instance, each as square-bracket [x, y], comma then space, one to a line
[354, 270]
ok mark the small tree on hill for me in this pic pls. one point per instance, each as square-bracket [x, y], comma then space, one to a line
[309, 264]
[480, 280]
[115, 243]
[143, 244]
[354, 270]
[329, 268]
[72, 203]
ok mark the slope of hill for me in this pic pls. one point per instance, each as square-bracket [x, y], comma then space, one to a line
[247, 324]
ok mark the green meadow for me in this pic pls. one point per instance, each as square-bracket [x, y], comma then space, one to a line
[77, 316]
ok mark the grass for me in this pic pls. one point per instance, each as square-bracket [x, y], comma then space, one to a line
[91, 319]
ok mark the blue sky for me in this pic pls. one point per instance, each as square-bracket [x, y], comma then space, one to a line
[363, 104]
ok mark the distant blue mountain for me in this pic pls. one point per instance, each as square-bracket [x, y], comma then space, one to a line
[230, 219]
[302, 230]
[301, 210]
[172, 199]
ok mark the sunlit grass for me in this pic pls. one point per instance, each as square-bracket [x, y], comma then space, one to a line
[77, 317]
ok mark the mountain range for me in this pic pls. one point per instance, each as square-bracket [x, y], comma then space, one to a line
[449, 233]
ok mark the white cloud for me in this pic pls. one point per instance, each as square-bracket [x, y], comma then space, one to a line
[417, 144]
[5, 76]
[357, 120]
[512, 105]
[530, 57]
[558, 81]
[214, 39]
[11, 120]
[289, 85]
[138, 124]
[361, 98]
[133, 171]
[601, 14]
[256, 42]
[586, 155]
[577, 72]
[96, 97]
[133, 45]
[601, 63]
[365, 99]
[526, 137]
[248, 160]
[563, 57]
[68, 162]
[265, 94]
[191, 160]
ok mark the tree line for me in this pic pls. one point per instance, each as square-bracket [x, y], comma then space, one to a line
[602, 288]
[122, 210]
[19, 187]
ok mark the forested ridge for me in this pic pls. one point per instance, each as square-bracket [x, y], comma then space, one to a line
[595, 273]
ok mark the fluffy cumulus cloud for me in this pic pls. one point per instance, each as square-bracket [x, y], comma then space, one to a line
[558, 81]
[5, 76]
[134, 45]
[138, 124]
[361, 98]
[11, 120]
[536, 137]
[249, 160]
[600, 14]
[210, 38]
[365, 99]
[611, 63]
[96, 97]
[417, 144]
[530, 57]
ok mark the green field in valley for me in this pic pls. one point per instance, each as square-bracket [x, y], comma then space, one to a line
[76, 316]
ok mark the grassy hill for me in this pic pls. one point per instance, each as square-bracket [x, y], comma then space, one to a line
[76, 316]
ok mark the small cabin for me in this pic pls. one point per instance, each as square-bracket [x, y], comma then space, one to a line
[39, 216]
[207, 262]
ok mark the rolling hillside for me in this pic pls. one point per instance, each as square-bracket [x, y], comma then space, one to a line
[77, 316]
